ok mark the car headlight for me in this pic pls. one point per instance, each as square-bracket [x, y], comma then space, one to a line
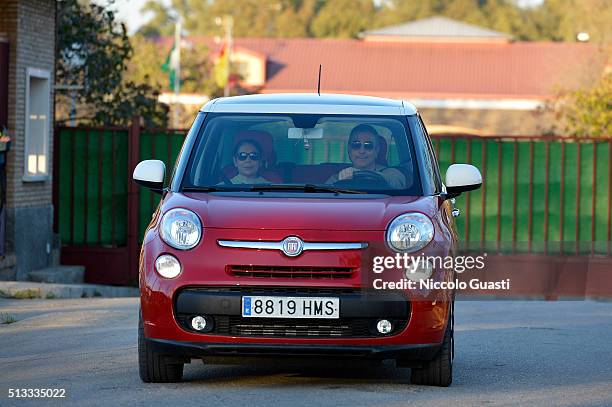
[181, 229]
[409, 232]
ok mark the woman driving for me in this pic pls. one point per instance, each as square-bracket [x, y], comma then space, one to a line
[363, 149]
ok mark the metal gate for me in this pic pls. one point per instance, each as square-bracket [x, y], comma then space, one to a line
[100, 214]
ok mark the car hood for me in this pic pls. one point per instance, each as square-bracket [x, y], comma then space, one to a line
[292, 213]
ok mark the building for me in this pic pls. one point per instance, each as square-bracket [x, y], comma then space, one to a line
[457, 74]
[27, 61]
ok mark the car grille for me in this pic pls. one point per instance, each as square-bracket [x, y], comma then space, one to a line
[290, 272]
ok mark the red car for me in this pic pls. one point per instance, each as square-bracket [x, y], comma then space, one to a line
[281, 234]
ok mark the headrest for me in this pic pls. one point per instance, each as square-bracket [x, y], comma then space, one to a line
[382, 151]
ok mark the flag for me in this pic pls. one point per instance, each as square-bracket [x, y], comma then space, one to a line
[172, 64]
[221, 68]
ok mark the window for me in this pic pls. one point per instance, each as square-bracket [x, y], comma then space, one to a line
[37, 125]
[381, 155]
[432, 158]
[426, 160]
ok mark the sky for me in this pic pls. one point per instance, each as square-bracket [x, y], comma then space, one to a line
[128, 11]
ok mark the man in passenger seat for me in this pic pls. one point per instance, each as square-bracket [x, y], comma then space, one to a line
[363, 149]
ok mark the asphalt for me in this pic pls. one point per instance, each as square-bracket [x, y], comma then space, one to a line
[507, 353]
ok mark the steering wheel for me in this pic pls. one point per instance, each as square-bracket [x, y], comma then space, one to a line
[365, 178]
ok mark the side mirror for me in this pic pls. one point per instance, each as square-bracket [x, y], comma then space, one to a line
[150, 174]
[462, 178]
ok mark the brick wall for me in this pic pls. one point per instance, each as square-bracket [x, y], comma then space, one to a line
[32, 45]
[29, 26]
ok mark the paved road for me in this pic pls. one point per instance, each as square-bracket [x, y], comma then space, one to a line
[508, 353]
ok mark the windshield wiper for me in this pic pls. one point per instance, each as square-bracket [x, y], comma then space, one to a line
[205, 189]
[305, 188]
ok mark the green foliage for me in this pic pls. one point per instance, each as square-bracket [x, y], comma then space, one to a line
[295, 22]
[252, 18]
[561, 20]
[130, 99]
[162, 23]
[93, 55]
[6, 318]
[25, 294]
[552, 20]
[343, 18]
[196, 66]
[587, 111]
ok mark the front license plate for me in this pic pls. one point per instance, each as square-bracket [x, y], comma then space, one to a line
[290, 307]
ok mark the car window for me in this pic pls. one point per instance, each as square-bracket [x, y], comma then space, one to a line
[432, 158]
[426, 162]
[363, 153]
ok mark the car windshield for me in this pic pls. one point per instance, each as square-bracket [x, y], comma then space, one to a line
[304, 152]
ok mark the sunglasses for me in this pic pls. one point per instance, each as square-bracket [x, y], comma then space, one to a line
[243, 156]
[367, 145]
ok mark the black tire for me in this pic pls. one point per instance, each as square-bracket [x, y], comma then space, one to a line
[154, 367]
[438, 371]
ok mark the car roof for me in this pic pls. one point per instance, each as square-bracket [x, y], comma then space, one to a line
[312, 103]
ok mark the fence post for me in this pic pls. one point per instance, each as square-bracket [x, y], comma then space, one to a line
[55, 179]
[132, 204]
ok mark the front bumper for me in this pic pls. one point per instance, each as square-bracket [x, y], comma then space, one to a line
[404, 354]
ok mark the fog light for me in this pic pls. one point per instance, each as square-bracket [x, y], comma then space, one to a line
[384, 326]
[420, 270]
[198, 323]
[168, 266]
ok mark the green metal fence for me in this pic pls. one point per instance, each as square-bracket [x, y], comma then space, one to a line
[91, 186]
[539, 194]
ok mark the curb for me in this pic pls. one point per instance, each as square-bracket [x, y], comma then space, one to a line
[30, 290]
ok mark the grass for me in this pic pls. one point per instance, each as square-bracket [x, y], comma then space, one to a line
[26, 294]
[6, 318]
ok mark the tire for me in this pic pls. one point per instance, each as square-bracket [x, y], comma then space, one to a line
[154, 367]
[438, 371]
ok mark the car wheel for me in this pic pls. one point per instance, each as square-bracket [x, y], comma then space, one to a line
[438, 371]
[154, 367]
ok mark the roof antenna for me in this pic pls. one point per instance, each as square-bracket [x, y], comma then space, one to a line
[319, 83]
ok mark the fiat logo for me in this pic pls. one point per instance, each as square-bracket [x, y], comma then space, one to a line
[292, 246]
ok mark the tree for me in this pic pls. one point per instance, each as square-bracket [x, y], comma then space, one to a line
[585, 112]
[93, 54]
[553, 20]
[196, 66]
[561, 20]
[252, 18]
[343, 18]
[296, 20]
[162, 23]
